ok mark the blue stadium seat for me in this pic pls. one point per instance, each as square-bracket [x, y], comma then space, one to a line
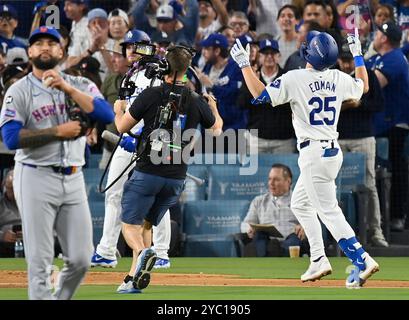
[209, 227]
[97, 214]
[382, 148]
[227, 182]
[290, 160]
[353, 194]
[215, 158]
[353, 170]
[193, 191]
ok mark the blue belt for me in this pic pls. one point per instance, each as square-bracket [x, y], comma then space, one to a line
[63, 170]
[306, 143]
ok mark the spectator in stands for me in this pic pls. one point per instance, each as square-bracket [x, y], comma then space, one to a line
[316, 10]
[223, 78]
[356, 134]
[288, 17]
[8, 24]
[273, 208]
[110, 88]
[212, 16]
[228, 32]
[143, 15]
[295, 61]
[17, 57]
[275, 131]
[402, 13]
[9, 217]
[239, 22]
[391, 69]
[169, 26]
[2, 59]
[65, 44]
[100, 43]
[76, 10]
[365, 13]
[383, 13]
[265, 12]
[118, 24]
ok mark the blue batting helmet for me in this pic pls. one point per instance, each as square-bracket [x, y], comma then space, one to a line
[321, 51]
[134, 36]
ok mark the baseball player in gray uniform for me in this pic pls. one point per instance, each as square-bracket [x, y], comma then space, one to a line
[48, 181]
[315, 95]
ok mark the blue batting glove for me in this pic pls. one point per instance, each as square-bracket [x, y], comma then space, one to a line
[128, 144]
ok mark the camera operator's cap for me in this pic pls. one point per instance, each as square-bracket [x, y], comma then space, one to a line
[268, 44]
[391, 30]
[16, 56]
[44, 31]
[246, 39]
[7, 9]
[97, 13]
[215, 40]
[119, 13]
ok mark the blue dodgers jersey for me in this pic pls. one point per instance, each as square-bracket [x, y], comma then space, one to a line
[226, 90]
[394, 66]
[11, 43]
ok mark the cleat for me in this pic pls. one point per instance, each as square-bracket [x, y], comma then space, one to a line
[317, 270]
[146, 261]
[127, 287]
[357, 278]
[162, 263]
[98, 260]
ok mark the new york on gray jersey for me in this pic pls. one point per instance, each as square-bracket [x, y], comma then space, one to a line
[38, 107]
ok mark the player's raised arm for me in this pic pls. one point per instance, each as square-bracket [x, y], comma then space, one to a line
[242, 58]
[360, 69]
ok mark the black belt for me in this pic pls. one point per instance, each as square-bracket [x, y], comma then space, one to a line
[306, 143]
[63, 170]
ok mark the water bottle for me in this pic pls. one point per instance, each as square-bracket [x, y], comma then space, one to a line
[18, 249]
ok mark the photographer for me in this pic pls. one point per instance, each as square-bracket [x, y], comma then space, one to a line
[136, 50]
[44, 117]
[154, 187]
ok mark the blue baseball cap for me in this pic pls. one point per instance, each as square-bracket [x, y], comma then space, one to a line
[44, 31]
[97, 13]
[215, 40]
[8, 9]
[391, 30]
[268, 44]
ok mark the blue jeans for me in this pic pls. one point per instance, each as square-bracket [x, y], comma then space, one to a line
[148, 197]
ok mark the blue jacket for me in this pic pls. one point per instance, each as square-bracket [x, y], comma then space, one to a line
[226, 90]
[394, 66]
[190, 21]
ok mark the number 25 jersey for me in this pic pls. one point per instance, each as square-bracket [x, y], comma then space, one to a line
[315, 98]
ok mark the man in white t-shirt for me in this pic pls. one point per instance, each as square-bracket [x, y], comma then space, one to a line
[212, 16]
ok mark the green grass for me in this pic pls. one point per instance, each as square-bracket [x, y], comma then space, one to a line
[285, 268]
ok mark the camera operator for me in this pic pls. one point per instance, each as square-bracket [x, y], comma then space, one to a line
[136, 48]
[37, 121]
[154, 187]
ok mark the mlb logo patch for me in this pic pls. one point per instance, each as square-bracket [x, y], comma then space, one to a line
[9, 99]
[276, 84]
[10, 113]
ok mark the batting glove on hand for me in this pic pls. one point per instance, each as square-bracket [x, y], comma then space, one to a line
[241, 55]
[354, 45]
[128, 144]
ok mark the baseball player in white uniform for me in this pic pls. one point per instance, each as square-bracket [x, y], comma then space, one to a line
[48, 181]
[106, 249]
[315, 95]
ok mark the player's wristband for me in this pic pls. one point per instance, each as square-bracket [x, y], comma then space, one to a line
[359, 61]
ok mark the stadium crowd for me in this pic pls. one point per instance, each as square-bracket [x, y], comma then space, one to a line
[274, 30]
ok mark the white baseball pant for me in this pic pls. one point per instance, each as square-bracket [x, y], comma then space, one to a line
[315, 196]
[112, 222]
